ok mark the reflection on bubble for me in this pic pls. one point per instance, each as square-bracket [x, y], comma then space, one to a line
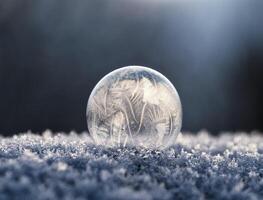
[134, 105]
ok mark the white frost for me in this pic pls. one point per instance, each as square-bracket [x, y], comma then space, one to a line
[201, 166]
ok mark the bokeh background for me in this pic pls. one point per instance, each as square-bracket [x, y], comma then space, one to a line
[52, 53]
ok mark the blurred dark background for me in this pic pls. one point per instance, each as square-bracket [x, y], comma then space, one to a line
[52, 53]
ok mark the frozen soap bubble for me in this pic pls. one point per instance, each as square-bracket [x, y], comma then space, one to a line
[134, 105]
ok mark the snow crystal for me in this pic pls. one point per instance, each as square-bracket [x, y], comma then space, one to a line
[70, 166]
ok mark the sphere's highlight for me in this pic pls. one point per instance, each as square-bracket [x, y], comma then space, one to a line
[135, 105]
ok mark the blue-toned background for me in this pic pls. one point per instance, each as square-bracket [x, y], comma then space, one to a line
[52, 53]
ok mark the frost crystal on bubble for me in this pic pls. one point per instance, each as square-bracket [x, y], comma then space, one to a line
[134, 105]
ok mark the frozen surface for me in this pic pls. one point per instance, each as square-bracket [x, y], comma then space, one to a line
[71, 167]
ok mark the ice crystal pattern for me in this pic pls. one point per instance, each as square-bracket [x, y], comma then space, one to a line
[135, 105]
[198, 166]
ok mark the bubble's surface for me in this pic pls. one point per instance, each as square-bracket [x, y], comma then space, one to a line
[135, 105]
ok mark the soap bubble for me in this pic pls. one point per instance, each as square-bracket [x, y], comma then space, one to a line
[134, 105]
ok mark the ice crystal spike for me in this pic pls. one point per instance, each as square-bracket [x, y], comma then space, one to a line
[135, 105]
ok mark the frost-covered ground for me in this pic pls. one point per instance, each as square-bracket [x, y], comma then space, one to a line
[71, 167]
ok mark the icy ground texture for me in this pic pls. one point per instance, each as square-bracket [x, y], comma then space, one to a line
[71, 167]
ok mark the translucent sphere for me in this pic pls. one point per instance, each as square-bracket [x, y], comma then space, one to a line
[135, 105]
